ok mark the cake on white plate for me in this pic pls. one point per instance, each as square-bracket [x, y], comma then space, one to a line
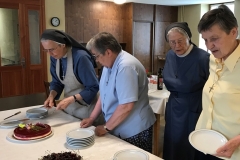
[31, 131]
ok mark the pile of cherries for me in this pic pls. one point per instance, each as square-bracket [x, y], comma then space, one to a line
[62, 156]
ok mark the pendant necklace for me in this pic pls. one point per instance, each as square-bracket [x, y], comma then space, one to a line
[62, 70]
[216, 73]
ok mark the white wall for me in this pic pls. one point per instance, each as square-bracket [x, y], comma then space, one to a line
[204, 9]
[54, 8]
[191, 15]
[237, 14]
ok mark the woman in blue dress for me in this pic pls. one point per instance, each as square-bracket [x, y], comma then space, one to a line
[185, 72]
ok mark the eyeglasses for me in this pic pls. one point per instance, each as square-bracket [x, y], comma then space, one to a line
[50, 50]
[179, 42]
[96, 56]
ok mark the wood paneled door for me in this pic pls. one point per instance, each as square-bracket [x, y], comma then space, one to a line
[22, 64]
[142, 43]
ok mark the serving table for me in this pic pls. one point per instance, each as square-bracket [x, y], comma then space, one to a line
[104, 147]
[157, 100]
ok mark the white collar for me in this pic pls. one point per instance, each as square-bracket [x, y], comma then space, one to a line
[187, 52]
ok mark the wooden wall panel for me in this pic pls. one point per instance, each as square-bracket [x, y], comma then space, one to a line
[91, 28]
[143, 12]
[128, 26]
[90, 17]
[11, 83]
[142, 35]
[86, 18]
[34, 2]
[166, 13]
[128, 35]
[37, 80]
[76, 28]
[115, 27]
[161, 47]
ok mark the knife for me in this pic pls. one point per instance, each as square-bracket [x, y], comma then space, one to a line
[13, 115]
[22, 120]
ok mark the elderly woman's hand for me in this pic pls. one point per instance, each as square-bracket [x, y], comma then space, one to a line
[86, 122]
[65, 103]
[100, 130]
[228, 149]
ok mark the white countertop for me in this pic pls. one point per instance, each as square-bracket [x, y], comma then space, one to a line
[104, 148]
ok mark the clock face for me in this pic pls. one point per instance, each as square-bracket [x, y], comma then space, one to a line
[55, 21]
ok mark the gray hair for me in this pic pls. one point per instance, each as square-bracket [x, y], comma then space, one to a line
[43, 39]
[89, 44]
[103, 41]
[179, 30]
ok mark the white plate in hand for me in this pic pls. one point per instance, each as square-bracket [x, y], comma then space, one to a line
[207, 141]
[130, 154]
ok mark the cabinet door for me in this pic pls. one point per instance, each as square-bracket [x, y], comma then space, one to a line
[35, 58]
[12, 63]
[142, 43]
[22, 65]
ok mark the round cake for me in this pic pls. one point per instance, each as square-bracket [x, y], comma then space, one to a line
[32, 131]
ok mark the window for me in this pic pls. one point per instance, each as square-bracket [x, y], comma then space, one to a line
[230, 5]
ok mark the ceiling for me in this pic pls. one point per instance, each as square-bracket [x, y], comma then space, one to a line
[176, 2]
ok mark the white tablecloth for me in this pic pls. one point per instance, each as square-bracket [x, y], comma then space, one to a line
[158, 100]
[103, 149]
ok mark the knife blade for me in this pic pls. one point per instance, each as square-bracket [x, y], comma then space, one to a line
[13, 115]
[16, 121]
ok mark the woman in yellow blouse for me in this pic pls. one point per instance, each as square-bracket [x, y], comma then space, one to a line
[221, 93]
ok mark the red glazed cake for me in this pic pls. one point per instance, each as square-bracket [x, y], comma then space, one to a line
[32, 131]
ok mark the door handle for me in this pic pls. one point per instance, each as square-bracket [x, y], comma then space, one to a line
[23, 62]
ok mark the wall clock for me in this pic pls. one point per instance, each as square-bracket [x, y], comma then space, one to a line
[55, 21]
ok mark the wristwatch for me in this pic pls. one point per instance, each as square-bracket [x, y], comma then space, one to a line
[77, 100]
[105, 127]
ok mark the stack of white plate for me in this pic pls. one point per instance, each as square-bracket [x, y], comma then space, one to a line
[37, 113]
[80, 138]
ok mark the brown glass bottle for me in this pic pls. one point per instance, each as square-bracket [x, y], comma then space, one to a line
[160, 79]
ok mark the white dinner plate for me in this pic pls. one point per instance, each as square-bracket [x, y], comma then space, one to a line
[76, 147]
[207, 141]
[130, 154]
[10, 123]
[12, 139]
[80, 144]
[80, 133]
[80, 141]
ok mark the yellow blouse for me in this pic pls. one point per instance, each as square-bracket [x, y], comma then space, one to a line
[221, 98]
